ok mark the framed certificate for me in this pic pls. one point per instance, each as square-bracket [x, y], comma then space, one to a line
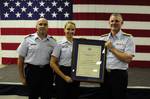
[88, 60]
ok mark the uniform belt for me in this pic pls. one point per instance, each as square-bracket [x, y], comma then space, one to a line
[39, 66]
[64, 66]
[110, 70]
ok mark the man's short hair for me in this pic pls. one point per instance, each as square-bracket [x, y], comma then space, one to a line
[117, 14]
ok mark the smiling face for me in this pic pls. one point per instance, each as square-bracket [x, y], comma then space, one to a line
[115, 22]
[42, 26]
[69, 29]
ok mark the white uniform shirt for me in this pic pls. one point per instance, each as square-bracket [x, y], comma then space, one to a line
[36, 51]
[123, 42]
[63, 51]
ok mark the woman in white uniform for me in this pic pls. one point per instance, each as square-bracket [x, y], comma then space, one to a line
[60, 62]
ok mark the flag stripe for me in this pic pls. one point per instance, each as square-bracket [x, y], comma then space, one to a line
[9, 46]
[14, 54]
[122, 2]
[14, 46]
[102, 24]
[105, 16]
[79, 32]
[103, 8]
[143, 49]
[6, 60]
[142, 64]
[17, 39]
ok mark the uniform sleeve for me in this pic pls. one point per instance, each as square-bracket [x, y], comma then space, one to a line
[23, 48]
[53, 41]
[130, 46]
[57, 51]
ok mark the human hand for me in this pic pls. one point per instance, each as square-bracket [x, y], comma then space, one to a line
[23, 80]
[109, 45]
[68, 79]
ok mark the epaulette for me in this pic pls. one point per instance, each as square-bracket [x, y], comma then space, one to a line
[104, 35]
[53, 38]
[28, 35]
[127, 34]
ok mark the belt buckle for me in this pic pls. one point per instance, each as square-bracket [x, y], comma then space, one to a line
[41, 66]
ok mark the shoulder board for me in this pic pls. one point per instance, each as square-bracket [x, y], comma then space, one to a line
[127, 34]
[52, 38]
[28, 35]
[104, 35]
[61, 42]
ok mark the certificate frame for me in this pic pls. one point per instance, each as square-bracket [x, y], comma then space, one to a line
[76, 73]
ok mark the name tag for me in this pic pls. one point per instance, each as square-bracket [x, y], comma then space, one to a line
[33, 44]
[119, 45]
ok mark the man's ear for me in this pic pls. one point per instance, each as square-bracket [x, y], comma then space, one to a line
[64, 30]
[36, 26]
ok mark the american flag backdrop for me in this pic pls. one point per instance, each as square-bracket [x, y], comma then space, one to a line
[18, 18]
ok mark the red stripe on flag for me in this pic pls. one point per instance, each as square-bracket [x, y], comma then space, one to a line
[17, 31]
[143, 64]
[105, 16]
[79, 32]
[132, 64]
[9, 60]
[9, 46]
[91, 16]
[116, 2]
[26, 31]
[143, 49]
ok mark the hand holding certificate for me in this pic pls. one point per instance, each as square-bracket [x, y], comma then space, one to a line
[88, 60]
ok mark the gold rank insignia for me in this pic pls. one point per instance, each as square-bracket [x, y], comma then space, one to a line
[127, 34]
[104, 35]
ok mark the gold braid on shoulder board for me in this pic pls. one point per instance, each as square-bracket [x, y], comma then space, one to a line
[127, 34]
[104, 35]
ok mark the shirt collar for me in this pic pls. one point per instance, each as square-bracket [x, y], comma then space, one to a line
[118, 35]
[37, 37]
[64, 40]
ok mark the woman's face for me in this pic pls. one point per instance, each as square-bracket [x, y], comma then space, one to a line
[69, 30]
